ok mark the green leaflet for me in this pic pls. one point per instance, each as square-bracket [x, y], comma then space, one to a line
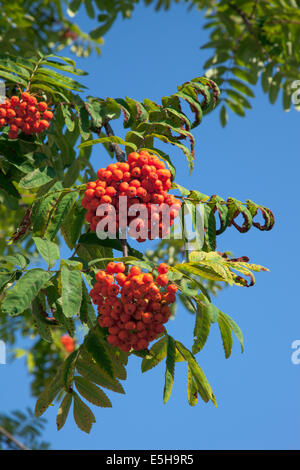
[158, 352]
[226, 335]
[37, 178]
[49, 393]
[12, 78]
[87, 313]
[235, 328]
[91, 392]
[72, 173]
[43, 206]
[202, 328]
[63, 410]
[240, 86]
[206, 272]
[43, 328]
[83, 416]
[192, 391]
[91, 239]
[235, 208]
[68, 323]
[5, 279]
[275, 87]
[22, 294]
[266, 77]
[223, 116]
[48, 250]
[60, 211]
[7, 185]
[17, 259]
[89, 252]
[210, 227]
[71, 288]
[119, 369]
[196, 218]
[97, 348]
[69, 369]
[170, 369]
[112, 139]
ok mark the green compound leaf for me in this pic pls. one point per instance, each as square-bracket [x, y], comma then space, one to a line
[112, 139]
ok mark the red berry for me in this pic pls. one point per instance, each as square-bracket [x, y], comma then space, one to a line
[119, 268]
[162, 280]
[42, 106]
[163, 268]
[172, 288]
[48, 115]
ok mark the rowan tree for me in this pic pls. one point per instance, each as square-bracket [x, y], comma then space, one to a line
[50, 192]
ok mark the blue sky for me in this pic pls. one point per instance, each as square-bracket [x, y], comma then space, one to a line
[255, 157]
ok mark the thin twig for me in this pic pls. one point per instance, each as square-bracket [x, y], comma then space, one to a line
[250, 28]
[120, 155]
[12, 438]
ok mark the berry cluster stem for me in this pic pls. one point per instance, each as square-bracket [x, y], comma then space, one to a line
[120, 155]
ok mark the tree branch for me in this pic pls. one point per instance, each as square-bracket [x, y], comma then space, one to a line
[11, 438]
[120, 155]
[250, 28]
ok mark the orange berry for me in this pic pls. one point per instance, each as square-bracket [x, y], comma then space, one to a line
[135, 271]
[42, 106]
[133, 157]
[110, 268]
[15, 100]
[10, 113]
[48, 115]
[119, 267]
[163, 268]
[121, 278]
[124, 186]
[147, 317]
[25, 96]
[172, 288]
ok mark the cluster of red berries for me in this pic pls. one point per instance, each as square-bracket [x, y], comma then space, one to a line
[133, 307]
[143, 179]
[68, 343]
[24, 114]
